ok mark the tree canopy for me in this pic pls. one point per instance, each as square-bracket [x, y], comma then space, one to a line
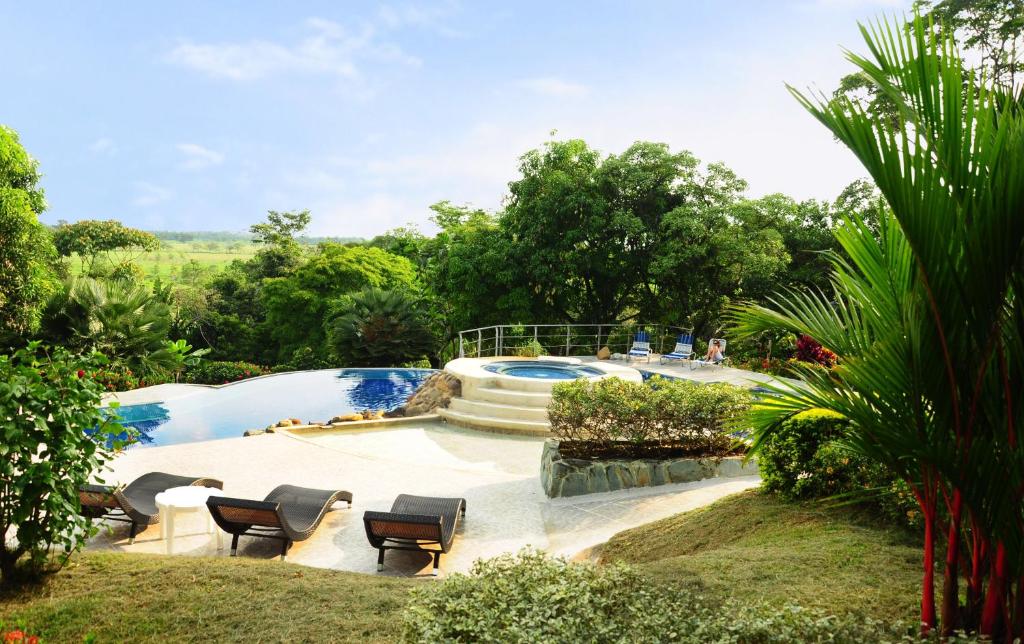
[26, 249]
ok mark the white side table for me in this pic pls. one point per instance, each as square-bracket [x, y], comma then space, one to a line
[178, 500]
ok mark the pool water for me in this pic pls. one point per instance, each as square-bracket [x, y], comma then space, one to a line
[226, 412]
[543, 369]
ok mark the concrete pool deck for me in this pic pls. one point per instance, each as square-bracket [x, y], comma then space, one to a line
[498, 475]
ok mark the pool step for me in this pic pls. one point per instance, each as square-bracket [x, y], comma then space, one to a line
[498, 410]
[513, 397]
[500, 425]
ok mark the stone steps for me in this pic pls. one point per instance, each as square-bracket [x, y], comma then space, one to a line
[513, 397]
[500, 425]
[498, 410]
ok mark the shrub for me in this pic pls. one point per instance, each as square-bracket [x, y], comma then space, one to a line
[529, 597]
[662, 418]
[216, 372]
[810, 350]
[531, 349]
[53, 437]
[805, 459]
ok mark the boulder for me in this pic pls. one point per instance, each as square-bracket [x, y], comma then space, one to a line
[254, 432]
[437, 391]
[296, 421]
[604, 353]
[284, 423]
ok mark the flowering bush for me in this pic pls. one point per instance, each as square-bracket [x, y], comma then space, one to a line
[215, 372]
[54, 438]
[121, 378]
[18, 636]
[810, 350]
[659, 419]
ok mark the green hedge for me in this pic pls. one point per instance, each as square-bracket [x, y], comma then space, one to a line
[660, 418]
[215, 372]
[529, 597]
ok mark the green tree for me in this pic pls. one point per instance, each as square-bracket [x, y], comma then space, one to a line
[380, 328]
[26, 249]
[989, 31]
[585, 230]
[55, 437]
[281, 252]
[103, 247]
[927, 318]
[296, 306]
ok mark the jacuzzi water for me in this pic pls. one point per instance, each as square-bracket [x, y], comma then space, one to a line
[226, 412]
[543, 369]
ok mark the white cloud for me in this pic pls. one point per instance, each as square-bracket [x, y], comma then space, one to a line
[198, 157]
[149, 194]
[329, 49]
[551, 86]
[103, 145]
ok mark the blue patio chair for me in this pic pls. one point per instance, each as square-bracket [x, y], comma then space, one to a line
[641, 347]
[694, 364]
[682, 351]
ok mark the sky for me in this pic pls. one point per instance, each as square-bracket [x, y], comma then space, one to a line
[203, 116]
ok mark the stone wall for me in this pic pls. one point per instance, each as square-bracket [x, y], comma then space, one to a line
[436, 391]
[573, 477]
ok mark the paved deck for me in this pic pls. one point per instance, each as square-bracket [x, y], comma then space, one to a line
[706, 374]
[497, 474]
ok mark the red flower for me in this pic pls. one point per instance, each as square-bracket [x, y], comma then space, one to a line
[14, 636]
[32, 640]
[81, 373]
[225, 382]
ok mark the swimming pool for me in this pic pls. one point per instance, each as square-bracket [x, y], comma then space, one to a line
[226, 412]
[543, 369]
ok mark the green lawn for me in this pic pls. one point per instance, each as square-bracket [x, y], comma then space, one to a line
[750, 546]
[754, 546]
[151, 598]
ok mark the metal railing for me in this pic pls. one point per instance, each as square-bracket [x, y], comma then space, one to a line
[562, 339]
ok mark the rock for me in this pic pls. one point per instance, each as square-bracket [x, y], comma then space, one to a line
[437, 391]
[347, 418]
[284, 423]
[296, 421]
[254, 432]
[604, 353]
[395, 413]
[572, 477]
[618, 356]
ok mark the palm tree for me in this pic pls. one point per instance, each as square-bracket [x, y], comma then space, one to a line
[125, 322]
[380, 328]
[927, 317]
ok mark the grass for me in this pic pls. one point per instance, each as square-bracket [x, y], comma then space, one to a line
[153, 598]
[750, 546]
[756, 547]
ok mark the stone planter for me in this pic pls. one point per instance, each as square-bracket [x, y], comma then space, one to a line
[573, 477]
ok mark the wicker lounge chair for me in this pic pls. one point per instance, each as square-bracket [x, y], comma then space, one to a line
[417, 523]
[135, 503]
[289, 514]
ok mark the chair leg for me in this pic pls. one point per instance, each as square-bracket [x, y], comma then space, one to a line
[284, 548]
[134, 530]
[437, 564]
[380, 560]
[234, 545]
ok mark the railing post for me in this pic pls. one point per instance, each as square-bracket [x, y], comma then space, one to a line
[479, 341]
[567, 330]
[462, 353]
[497, 331]
[599, 337]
